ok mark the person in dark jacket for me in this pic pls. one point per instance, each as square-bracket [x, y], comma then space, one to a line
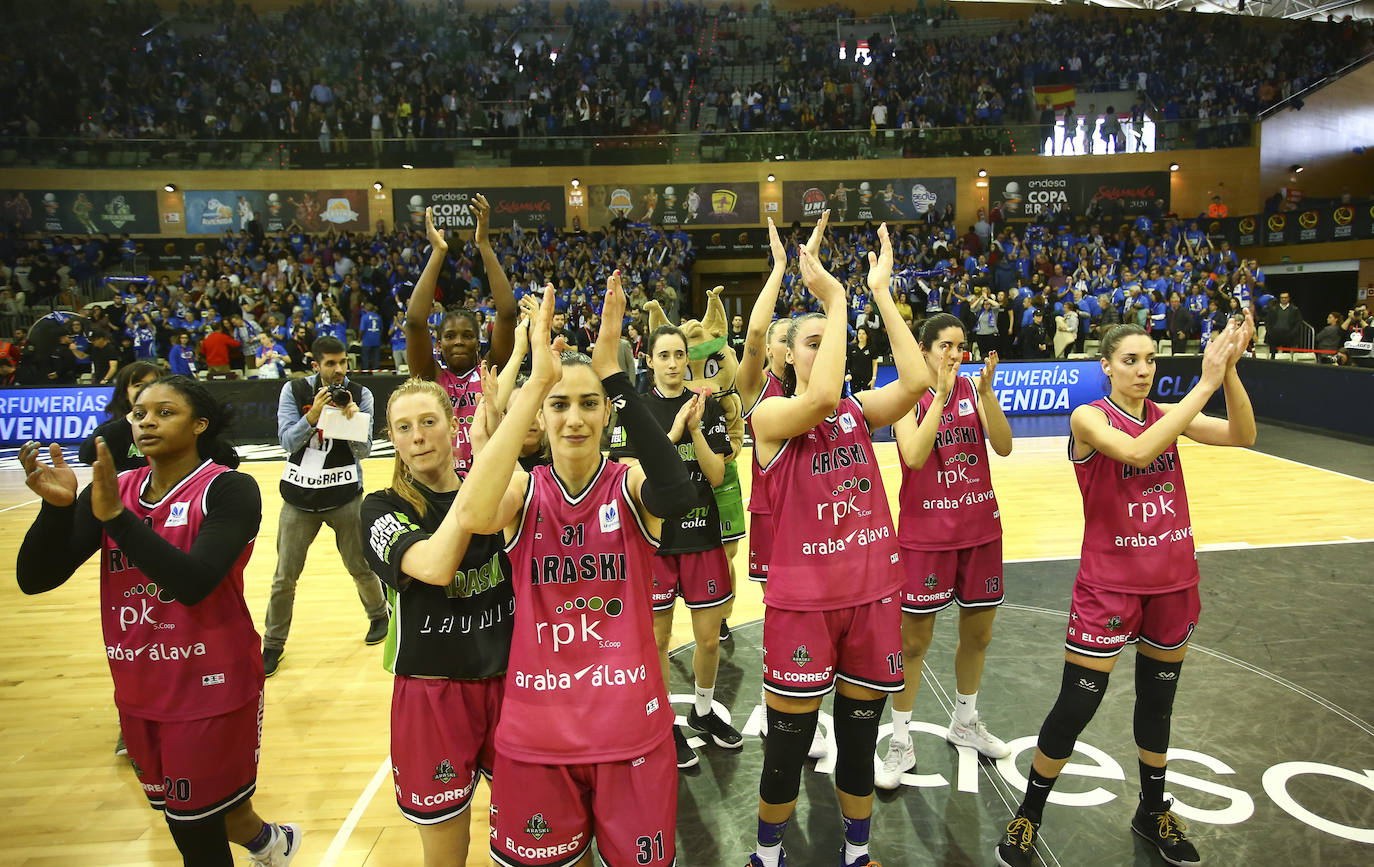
[1180, 326]
[1033, 341]
[1284, 325]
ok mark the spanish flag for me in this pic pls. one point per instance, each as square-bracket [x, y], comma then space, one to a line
[1054, 95]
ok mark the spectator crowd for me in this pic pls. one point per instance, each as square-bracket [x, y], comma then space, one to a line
[1034, 291]
[354, 73]
[256, 306]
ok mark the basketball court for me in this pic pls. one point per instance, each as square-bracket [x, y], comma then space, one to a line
[1273, 731]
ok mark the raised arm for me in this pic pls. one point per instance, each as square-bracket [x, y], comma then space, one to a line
[712, 463]
[916, 441]
[1238, 428]
[659, 483]
[506, 377]
[503, 332]
[419, 343]
[781, 418]
[1091, 430]
[883, 406]
[750, 376]
[995, 424]
[491, 496]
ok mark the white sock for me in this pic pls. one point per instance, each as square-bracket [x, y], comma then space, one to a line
[901, 726]
[852, 851]
[965, 708]
[769, 855]
[703, 701]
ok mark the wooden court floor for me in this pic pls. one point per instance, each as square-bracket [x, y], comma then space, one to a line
[66, 799]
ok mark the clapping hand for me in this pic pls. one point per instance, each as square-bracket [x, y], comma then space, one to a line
[437, 240]
[688, 416]
[105, 502]
[984, 377]
[605, 354]
[487, 416]
[481, 211]
[813, 243]
[775, 244]
[880, 263]
[546, 363]
[819, 282]
[55, 483]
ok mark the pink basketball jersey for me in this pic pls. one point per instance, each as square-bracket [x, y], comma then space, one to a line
[833, 541]
[948, 503]
[1137, 535]
[171, 661]
[758, 494]
[583, 683]
[463, 390]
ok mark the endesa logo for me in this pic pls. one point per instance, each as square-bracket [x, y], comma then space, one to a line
[1205, 799]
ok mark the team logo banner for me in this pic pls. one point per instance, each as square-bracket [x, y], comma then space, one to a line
[81, 212]
[876, 199]
[530, 207]
[674, 204]
[213, 212]
[1313, 225]
[1028, 196]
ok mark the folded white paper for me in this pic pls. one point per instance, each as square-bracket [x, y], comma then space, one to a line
[337, 427]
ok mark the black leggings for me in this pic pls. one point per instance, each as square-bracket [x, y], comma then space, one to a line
[204, 843]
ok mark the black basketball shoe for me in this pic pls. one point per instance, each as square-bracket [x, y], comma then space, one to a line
[1165, 832]
[1015, 848]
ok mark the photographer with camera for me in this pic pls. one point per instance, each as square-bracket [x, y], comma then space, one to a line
[1357, 323]
[322, 484]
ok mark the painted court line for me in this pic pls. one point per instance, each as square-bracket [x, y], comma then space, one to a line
[1303, 691]
[1311, 467]
[20, 505]
[331, 856]
[1005, 793]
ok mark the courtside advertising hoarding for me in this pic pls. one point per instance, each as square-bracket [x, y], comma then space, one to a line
[63, 415]
[1058, 387]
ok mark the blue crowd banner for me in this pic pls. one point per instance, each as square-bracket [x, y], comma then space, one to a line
[1033, 387]
[66, 415]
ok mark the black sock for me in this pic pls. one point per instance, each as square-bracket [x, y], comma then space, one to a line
[1152, 787]
[1037, 791]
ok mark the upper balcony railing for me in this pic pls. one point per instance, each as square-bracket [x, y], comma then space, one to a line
[710, 147]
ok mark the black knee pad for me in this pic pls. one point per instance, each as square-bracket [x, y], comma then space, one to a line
[856, 738]
[202, 844]
[1079, 695]
[1155, 686]
[784, 753]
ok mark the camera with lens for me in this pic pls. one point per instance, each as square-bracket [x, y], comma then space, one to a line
[339, 396]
